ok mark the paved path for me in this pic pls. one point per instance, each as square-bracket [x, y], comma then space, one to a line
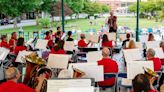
[23, 23]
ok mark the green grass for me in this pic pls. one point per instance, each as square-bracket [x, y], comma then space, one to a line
[83, 24]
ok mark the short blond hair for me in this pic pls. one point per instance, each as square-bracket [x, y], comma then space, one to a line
[11, 73]
[132, 44]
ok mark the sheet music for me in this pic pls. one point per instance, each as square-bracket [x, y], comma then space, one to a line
[55, 85]
[21, 55]
[30, 41]
[79, 89]
[159, 53]
[122, 37]
[143, 38]
[93, 38]
[3, 53]
[41, 44]
[91, 70]
[69, 45]
[111, 36]
[136, 67]
[132, 54]
[153, 44]
[94, 56]
[58, 61]
[63, 36]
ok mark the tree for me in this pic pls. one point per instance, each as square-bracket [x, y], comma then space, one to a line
[105, 8]
[17, 7]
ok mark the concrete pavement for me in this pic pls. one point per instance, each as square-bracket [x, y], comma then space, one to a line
[23, 23]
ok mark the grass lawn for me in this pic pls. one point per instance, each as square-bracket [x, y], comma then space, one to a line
[83, 24]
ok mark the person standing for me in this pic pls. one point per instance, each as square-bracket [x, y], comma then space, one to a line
[112, 23]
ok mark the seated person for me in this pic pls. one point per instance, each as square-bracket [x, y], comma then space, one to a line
[59, 48]
[132, 45]
[69, 34]
[127, 40]
[151, 56]
[151, 37]
[110, 66]
[4, 42]
[12, 75]
[142, 84]
[106, 42]
[20, 46]
[58, 37]
[49, 38]
[82, 43]
[58, 30]
[13, 41]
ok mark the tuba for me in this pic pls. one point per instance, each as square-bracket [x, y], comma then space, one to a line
[33, 62]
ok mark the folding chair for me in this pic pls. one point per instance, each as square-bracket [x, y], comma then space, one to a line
[122, 75]
[108, 76]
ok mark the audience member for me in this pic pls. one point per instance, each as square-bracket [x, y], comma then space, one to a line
[4, 42]
[151, 56]
[20, 46]
[13, 41]
[151, 37]
[142, 84]
[82, 43]
[106, 42]
[110, 66]
[69, 34]
[49, 38]
[127, 40]
[59, 48]
[132, 45]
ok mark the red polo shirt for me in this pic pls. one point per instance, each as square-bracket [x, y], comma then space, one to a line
[82, 43]
[61, 51]
[11, 86]
[12, 43]
[19, 48]
[50, 42]
[157, 63]
[5, 44]
[162, 60]
[110, 66]
[107, 44]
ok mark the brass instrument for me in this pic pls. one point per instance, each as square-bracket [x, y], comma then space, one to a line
[78, 73]
[32, 63]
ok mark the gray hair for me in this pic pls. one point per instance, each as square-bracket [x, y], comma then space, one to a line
[11, 73]
[151, 52]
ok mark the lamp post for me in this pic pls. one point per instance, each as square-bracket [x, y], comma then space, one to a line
[63, 17]
[137, 24]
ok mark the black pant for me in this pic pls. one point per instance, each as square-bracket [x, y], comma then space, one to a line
[112, 30]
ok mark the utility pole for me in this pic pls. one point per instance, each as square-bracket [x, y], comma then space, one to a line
[137, 24]
[63, 16]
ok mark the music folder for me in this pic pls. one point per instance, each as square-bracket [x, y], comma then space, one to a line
[3, 53]
[41, 44]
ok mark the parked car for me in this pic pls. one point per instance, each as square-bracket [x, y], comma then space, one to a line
[11, 21]
[4, 21]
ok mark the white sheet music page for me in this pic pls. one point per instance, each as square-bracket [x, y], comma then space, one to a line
[79, 89]
[93, 38]
[69, 45]
[21, 56]
[132, 54]
[159, 53]
[94, 56]
[58, 61]
[41, 44]
[153, 44]
[3, 53]
[137, 67]
[111, 36]
[56, 85]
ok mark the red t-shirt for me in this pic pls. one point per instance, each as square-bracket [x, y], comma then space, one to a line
[82, 43]
[19, 48]
[61, 51]
[107, 44]
[11, 86]
[157, 63]
[50, 42]
[110, 66]
[5, 44]
[12, 43]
